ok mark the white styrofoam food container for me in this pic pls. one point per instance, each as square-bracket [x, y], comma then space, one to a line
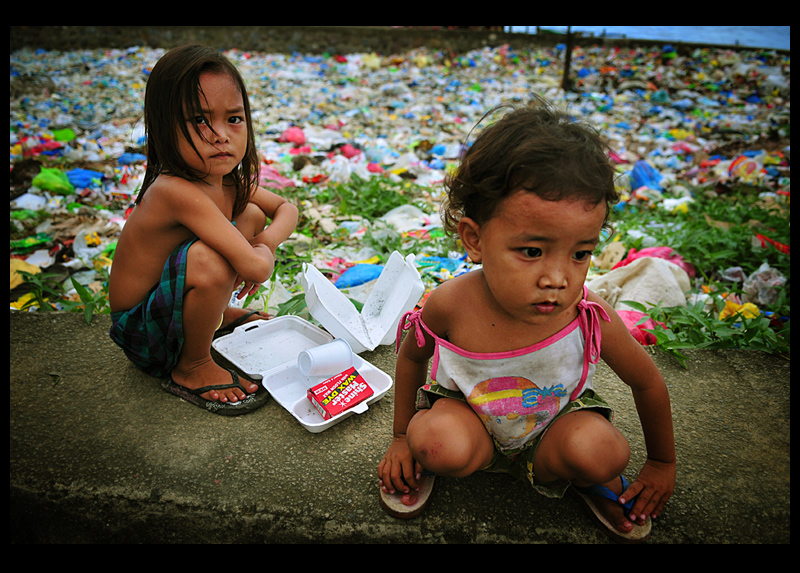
[269, 349]
[397, 290]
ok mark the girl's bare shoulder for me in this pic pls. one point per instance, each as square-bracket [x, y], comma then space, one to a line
[166, 188]
[452, 293]
[449, 301]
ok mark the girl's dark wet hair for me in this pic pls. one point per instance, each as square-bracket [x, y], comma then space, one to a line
[535, 148]
[173, 91]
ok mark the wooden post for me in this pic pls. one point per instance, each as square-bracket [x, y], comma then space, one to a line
[566, 83]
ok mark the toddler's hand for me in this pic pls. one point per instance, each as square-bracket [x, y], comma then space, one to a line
[398, 471]
[654, 486]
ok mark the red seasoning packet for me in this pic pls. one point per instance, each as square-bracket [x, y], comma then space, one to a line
[339, 393]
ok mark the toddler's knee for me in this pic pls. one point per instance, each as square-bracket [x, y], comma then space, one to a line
[434, 444]
[599, 455]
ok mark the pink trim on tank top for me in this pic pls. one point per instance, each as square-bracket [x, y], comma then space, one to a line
[589, 325]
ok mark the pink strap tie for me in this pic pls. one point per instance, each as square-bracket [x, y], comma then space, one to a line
[590, 327]
[411, 318]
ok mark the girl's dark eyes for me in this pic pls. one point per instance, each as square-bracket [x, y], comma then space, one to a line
[200, 120]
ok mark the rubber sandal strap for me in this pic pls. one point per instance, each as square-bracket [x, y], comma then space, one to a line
[239, 321]
[603, 491]
[234, 384]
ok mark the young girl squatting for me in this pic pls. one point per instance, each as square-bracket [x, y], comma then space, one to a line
[197, 231]
[514, 343]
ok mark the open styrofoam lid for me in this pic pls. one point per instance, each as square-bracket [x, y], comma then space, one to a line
[396, 291]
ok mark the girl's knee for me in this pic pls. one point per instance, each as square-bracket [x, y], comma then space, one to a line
[251, 221]
[207, 267]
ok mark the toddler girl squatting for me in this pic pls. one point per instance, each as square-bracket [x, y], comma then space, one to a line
[514, 343]
[197, 231]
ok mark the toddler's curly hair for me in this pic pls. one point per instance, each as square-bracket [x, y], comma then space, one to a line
[537, 149]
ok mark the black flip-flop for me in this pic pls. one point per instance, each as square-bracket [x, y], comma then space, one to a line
[250, 403]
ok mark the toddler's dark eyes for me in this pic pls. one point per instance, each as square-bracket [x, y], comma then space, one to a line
[531, 252]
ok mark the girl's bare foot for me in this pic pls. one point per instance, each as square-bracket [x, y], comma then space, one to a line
[209, 373]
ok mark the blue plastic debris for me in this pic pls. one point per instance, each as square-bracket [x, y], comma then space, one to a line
[128, 158]
[83, 178]
[358, 275]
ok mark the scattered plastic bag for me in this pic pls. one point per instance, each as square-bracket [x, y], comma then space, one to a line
[677, 205]
[66, 134]
[763, 286]
[747, 168]
[349, 151]
[83, 178]
[735, 274]
[293, 135]
[30, 242]
[20, 265]
[358, 275]
[129, 158]
[644, 175]
[638, 330]
[407, 218]
[53, 180]
[760, 241]
[271, 178]
[29, 201]
[666, 253]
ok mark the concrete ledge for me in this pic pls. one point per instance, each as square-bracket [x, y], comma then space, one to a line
[100, 454]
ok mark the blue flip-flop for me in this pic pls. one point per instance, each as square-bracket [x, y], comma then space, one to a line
[584, 495]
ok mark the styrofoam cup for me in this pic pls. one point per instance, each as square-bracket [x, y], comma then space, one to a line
[326, 359]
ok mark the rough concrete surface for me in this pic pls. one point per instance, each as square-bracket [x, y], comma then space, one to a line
[99, 453]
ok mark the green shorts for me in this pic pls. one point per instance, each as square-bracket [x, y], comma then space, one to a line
[519, 462]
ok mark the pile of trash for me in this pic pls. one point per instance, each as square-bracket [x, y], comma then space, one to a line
[675, 124]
